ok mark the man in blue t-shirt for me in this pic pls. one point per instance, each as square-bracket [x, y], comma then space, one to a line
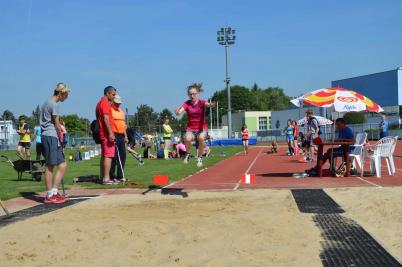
[37, 136]
[383, 127]
[342, 133]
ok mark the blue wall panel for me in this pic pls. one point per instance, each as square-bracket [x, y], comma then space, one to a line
[381, 87]
[400, 85]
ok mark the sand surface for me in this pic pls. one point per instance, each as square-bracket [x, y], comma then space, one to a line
[250, 228]
[242, 228]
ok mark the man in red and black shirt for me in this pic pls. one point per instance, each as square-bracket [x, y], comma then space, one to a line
[105, 119]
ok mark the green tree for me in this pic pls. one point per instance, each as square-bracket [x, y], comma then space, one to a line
[276, 98]
[8, 116]
[259, 99]
[145, 120]
[241, 99]
[253, 99]
[354, 118]
[75, 125]
[36, 115]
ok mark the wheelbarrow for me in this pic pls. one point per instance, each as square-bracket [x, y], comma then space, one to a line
[33, 167]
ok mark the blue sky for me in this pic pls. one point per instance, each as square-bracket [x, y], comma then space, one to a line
[150, 50]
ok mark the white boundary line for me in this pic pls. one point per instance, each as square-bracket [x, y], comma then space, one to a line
[233, 183]
[185, 178]
[376, 185]
[249, 168]
[72, 198]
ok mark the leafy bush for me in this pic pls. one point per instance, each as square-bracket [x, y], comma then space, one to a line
[354, 118]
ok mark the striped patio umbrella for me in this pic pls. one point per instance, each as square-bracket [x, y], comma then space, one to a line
[321, 121]
[339, 99]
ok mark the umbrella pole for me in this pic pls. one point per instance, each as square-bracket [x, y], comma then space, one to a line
[332, 146]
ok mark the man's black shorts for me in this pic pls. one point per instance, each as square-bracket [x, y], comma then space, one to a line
[26, 145]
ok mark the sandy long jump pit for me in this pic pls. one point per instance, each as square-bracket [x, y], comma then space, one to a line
[241, 228]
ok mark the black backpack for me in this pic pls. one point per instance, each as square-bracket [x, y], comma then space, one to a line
[95, 129]
[319, 127]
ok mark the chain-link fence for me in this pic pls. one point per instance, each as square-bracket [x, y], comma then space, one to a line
[372, 130]
[8, 141]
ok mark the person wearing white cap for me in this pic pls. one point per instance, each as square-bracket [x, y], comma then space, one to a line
[119, 128]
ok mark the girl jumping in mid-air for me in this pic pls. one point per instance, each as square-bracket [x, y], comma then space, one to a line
[196, 125]
[244, 138]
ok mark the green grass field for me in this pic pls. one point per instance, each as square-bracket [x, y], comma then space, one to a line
[10, 187]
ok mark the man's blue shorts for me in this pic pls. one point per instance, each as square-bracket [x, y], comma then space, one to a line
[52, 150]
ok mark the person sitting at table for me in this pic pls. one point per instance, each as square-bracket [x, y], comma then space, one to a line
[342, 133]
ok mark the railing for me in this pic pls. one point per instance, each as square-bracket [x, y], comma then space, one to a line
[372, 130]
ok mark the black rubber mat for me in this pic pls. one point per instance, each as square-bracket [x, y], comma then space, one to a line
[35, 211]
[174, 191]
[345, 242]
[315, 201]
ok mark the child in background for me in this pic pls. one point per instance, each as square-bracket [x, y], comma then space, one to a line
[207, 150]
[244, 138]
[131, 145]
[303, 144]
[160, 152]
[147, 152]
[289, 138]
[63, 133]
[296, 137]
[274, 147]
[180, 150]
[24, 144]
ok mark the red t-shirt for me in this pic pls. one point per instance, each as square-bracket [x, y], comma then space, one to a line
[104, 108]
[296, 131]
[196, 115]
[244, 134]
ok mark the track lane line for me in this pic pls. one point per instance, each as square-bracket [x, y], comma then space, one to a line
[249, 168]
[201, 170]
[374, 184]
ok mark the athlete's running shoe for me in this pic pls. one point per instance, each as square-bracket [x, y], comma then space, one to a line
[185, 161]
[53, 200]
[62, 198]
[199, 162]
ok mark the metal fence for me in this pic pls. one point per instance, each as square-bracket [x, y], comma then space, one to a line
[8, 141]
[11, 142]
[372, 130]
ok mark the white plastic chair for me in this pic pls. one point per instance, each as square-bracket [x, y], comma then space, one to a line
[383, 149]
[390, 159]
[357, 155]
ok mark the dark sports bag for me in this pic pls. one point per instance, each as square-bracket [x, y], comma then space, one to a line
[66, 139]
[95, 129]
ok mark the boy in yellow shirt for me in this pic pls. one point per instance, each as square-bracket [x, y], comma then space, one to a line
[24, 145]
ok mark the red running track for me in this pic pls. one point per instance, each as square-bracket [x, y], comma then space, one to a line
[275, 171]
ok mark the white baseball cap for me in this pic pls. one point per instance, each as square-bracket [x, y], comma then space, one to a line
[117, 99]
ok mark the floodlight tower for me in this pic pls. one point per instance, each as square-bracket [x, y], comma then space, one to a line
[227, 37]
